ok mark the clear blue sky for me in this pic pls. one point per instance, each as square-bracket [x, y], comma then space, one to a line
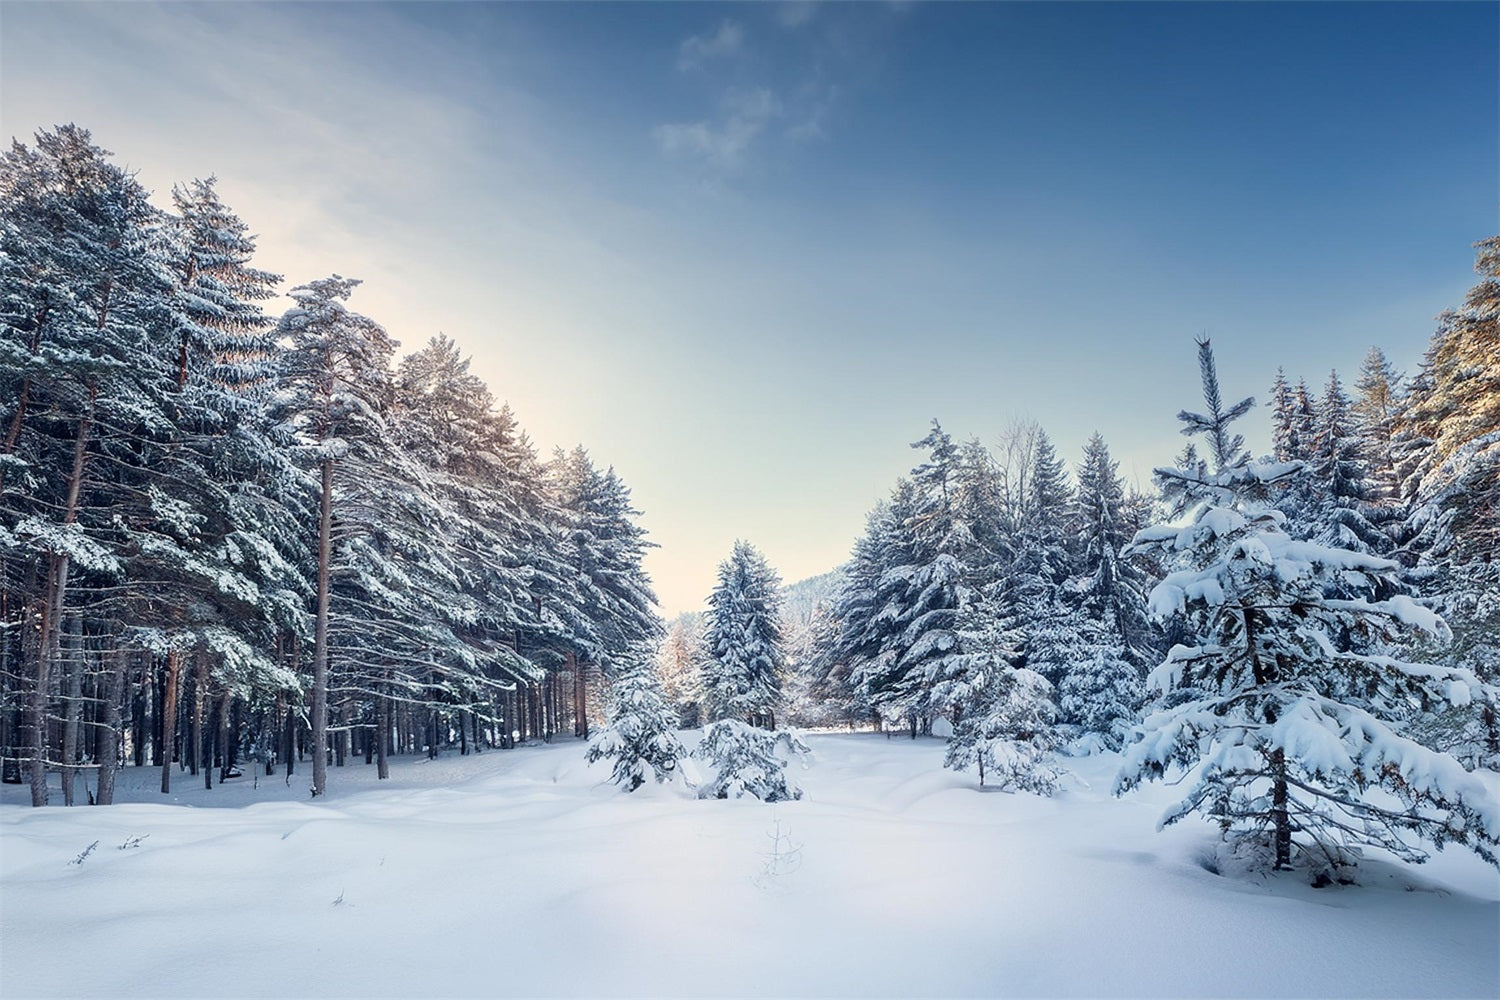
[745, 252]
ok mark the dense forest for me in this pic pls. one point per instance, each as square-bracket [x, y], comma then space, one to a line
[230, 539]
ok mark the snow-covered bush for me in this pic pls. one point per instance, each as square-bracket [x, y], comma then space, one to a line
[641, 733]
[1007, 733]
[744, 760]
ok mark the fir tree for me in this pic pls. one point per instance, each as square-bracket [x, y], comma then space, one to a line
[742, 676]
[1007, 728]
[1376, 408]
[1337, 476]
[1284, 726]
[745, 760]
[1112, 588]
[641, 733]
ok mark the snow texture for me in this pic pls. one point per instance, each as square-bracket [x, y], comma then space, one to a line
[484, 875]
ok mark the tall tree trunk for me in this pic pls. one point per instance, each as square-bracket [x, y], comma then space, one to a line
[291, 741]
[55, 597]
[140, 697]
[73, 707]
[1280, 819]
[320, 635]
[169, 719]
[226, 732]
[159, 734]
[108, 745]
[383, 735]
[195, 731]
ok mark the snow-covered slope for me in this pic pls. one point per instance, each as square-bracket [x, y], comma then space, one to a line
[522, 873]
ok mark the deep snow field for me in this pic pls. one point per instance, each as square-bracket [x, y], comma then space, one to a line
[526, 873]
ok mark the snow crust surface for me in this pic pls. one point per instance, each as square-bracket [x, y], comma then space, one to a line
[527, 873]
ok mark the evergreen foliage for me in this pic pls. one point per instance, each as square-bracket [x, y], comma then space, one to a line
[742, 675]
[194, 497]
[1286, 723]
[641, 733]
[743, 759]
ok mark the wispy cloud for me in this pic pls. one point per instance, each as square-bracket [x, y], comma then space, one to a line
[795, 13]
[723, 143]
[697, 50]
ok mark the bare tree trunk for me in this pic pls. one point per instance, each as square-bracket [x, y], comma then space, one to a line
[226, 749]
[140, 697]
[108, 745]
[382, 760]
[320, 635]
[159, 735]
[73, 708]
[195, 738]
[169, 720]
[56, 593]
[291, 741]
[1279, 817]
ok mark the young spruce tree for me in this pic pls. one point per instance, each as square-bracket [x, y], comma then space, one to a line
[1284, 727]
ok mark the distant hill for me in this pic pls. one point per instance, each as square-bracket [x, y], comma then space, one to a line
[799, 599]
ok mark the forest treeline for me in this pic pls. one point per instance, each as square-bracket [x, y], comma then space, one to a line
[1298, 633]
[233, 539]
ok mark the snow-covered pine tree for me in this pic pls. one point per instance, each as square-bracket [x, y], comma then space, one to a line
[746, 760]
[640, 735]
[1113, 589]
[857, 655]
[1101, 693]
[1376, 407]
[1337, 476]
[1007, 727]
[1449, 428]
[85, 304]
[608, 547]
[931, 589]
[679, 664]
[742, 675]
[335, 381]
[1284, 729]
[1285, 445]
[1034, 598]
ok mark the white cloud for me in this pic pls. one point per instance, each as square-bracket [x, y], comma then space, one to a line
[795, 13]
[697, 50]
[725, 143]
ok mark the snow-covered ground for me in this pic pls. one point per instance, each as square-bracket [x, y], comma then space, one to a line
[523, 873]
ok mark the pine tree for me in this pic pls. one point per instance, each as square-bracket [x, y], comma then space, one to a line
[641, 733]
[1101, 693]
[1376, 408]
[1449, 428]
[742, 676]
[679, 665]
[858, 656]
[85, 293]
[1007, 728]
[1337, 476]
[336, 382]
[745, 760]
[607, 549]
[1285, 445]
[1226, 448]
[1283, 724]
[1112, 588]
